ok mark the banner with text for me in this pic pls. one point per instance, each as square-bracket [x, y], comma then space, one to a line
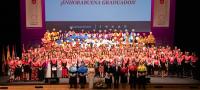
[161, 13]
[33, 13]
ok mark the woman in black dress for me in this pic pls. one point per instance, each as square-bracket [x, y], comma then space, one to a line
[54, 68]
[27, 69]
[41, 71]
[18, 69]
[163, 64]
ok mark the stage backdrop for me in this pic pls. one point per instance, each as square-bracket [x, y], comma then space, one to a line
[164, 32]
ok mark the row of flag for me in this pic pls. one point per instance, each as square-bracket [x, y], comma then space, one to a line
[6, 57]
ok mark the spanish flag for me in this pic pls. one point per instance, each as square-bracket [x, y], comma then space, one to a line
[8, 53]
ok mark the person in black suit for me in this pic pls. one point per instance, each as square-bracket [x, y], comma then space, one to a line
[108, 77]
[116, 73]
[73, 76]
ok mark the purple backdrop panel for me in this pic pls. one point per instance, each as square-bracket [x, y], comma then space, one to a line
[165, 35]
[31, 36]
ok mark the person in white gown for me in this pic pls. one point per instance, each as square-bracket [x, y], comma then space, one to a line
[48, 72]
[91, 73]
[59, 71]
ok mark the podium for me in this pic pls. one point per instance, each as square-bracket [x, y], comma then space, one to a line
[52, 80]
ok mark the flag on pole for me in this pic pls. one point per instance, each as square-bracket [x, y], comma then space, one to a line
[3, 61]
[23, 50]
[8, 53]
[13, 52]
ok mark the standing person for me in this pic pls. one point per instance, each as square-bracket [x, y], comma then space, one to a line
[30, 60]
[96, 66]
[156, 65]
[73, 75]
[149, 66]
[133, 75]
[187, 66]
[23, 76]
[180, 63]
[172, 65]
[194, 70]
[12, 70]
[48, 68]
[18, 69]
[64, 68]
[34, 74]
[197, 68]
[163, 65]
[82, 71]
[59, 71]
[123, 75]
[27, 68]
[108, 76]
[142, 72]
[40, 70]
[91, 73]
[116, 73]
[54, 68]
[101, 69]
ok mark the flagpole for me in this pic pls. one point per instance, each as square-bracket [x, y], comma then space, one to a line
[3, 61]
[13, 52]
[8, 54]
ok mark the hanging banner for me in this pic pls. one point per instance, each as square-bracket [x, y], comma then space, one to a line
[161, 13]
[33, 13]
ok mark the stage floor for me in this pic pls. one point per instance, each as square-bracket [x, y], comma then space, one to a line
[66, 87]
[173, 80]
[154, 82]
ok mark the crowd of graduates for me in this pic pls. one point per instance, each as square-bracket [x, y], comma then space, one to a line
[118, 57]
